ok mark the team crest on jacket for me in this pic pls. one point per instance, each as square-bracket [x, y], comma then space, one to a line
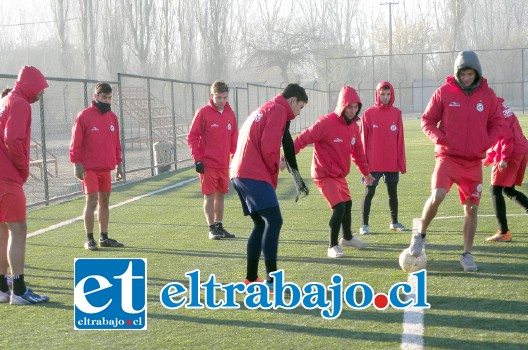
[353, 141]
[393, 127]
[112, 127]
[480, 107]
[229, 126]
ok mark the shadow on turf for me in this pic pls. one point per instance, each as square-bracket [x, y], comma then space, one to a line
[234, 326]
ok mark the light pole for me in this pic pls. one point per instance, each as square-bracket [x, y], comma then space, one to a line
[390, 34]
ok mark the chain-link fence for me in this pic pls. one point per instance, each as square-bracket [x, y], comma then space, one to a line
[415, 77]
[155, 115]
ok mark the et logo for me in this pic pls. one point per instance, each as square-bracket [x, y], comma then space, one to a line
[110, 294]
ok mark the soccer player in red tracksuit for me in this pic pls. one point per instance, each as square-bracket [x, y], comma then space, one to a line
[382, 137]
[95, 151]
[336, 140]
[509, 157]
[15, 138]
[212, 140]
[255, 172]
[463, 119]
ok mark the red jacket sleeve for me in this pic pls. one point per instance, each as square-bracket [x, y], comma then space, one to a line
[308, 136]
[358, 157]
[194, 139]
[494, 123]
[402, 159]
[271, 139]
[506, 142]
[76, 141]
[15, 137]
[234, 139]
[119, 150]
[431, 118]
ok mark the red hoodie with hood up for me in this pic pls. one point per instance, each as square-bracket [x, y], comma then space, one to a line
[335, 141]
[15, 125]
[463, 122]
[382, 135]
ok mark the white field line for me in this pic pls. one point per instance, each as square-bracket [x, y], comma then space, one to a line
[79, 218]
[413, 323]
[479, 215]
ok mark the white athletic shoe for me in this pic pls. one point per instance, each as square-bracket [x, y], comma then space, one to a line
[353, 242]
[364, 230]
[335, 252]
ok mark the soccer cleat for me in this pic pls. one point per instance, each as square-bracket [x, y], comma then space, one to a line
[364, 230]
[223, 233]
[466, 260]
[28, 298]
[353, 242]
[499, 237]
[90, 245]
[258, 280]
[5, 296]
[335, 252]
[398, 227]
[417, 244]
[214, 233]
[109, 242]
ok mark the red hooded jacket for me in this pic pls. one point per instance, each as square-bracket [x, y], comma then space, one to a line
[335, 141]
[382, 135]
[95, 141]
[258, 150]
[511, 141]
[15, 125]
[213, 136]
[462, 126]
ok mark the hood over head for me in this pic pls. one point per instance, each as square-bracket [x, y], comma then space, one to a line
[30, 82]
[378, 89]
[468, 59]
[347, 95]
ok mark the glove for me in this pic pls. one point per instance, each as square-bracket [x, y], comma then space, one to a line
[199, 167]
[119, 172]
[300, 186]
[78, 171]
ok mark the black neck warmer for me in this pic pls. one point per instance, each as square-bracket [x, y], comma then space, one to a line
[103, 107]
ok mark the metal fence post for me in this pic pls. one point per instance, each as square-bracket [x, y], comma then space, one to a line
[43, 148]
[150, 138]
[121, 124]
[173, 111]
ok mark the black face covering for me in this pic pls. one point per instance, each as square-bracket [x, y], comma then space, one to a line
[103, 107]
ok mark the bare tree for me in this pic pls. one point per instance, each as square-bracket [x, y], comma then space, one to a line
[60, 12]
[115, 56]
[212, 17]
[140, 17]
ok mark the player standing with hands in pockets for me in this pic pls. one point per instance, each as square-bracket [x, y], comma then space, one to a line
[382, 136]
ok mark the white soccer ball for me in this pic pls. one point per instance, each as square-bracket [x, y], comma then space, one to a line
[410, 263]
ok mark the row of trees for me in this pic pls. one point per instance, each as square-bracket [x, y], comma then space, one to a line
[239, 40]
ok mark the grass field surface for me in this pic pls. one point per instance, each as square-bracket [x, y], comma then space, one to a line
[483, 310]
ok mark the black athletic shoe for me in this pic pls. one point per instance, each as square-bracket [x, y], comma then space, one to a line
[90, 245]
[109, 242]
[215, 233]
[223, 233]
